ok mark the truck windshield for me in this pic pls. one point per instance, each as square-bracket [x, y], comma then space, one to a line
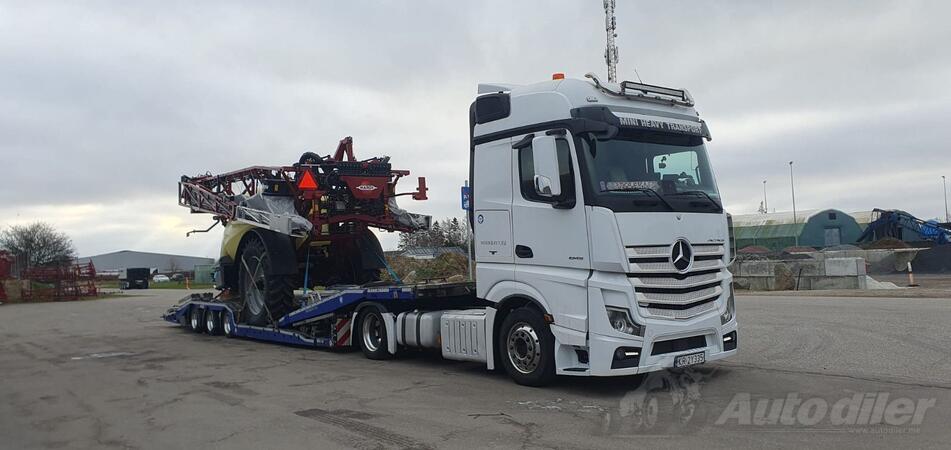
[649, 171]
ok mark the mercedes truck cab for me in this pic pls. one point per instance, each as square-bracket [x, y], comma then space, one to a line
[600, 236]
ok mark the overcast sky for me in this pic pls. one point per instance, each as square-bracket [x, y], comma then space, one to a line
[104, 105]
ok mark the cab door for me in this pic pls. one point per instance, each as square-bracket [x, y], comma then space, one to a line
[550, 233]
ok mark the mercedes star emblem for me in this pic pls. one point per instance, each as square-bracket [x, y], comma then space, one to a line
[681, 255]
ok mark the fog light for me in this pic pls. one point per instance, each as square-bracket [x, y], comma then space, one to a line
[620, 320]
[729, 341]
[625, 357]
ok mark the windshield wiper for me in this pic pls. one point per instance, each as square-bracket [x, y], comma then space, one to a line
[643, 189]
[715, 203]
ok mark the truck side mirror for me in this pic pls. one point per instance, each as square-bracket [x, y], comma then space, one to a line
[732, 236]
[545, 159]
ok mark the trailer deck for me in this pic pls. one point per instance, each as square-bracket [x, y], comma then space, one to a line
[325, 317]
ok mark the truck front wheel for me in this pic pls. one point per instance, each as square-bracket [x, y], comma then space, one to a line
[527, 348]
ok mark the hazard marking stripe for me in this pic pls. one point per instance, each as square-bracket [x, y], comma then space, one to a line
[344, 339]
[342, 323]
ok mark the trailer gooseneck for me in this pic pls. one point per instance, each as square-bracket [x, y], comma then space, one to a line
[601, 244]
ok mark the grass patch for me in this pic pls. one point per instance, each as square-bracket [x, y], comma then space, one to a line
[108, 284]
[180, 285]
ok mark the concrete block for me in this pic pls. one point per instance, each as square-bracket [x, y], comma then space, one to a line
[756, 268]
[844, 267]
[784, 278]
[807, 267]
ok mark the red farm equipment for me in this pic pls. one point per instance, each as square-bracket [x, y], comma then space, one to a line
[301, 225]
[60, 282]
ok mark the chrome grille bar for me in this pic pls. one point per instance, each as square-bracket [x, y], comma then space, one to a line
[671, 282]
[663, 292]
[680, 313]
[683, 298]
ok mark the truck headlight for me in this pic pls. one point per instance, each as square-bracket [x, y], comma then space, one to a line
[727, 316]
[620, 319]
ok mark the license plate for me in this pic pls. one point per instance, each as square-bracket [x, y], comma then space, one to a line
[689, 360]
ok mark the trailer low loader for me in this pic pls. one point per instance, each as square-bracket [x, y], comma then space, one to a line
[600, 241]
[389, 317]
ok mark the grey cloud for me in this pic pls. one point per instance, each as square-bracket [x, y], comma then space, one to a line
[120, 98]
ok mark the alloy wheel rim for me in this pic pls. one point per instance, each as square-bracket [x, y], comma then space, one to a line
[523, 348]
[254, 283]
[372, 332]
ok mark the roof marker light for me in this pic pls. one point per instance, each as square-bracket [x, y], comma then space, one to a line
[558, 76]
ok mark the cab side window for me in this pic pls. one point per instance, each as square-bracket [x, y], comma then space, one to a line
[526, 167]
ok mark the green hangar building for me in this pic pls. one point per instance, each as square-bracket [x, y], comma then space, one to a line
[811, 228]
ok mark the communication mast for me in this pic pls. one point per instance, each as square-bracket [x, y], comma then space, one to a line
[610, 53]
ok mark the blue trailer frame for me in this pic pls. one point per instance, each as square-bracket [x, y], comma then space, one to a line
[339, 305]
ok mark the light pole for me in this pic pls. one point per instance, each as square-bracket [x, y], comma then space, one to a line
[765, 205]
[947, 218]
[792, 187]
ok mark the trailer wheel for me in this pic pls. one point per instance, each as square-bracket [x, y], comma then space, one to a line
[527, 348]
[267, 295]
[213, 322]
[372, 337]
[226, 326]
[196, 319]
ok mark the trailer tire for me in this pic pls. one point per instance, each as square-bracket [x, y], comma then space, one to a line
[527, 347]
[267, 294]
[226, 325]
[196, 319]
[372, 334]
[213, 322]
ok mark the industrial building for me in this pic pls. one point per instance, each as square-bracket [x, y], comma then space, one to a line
[430, 252]
[811, 228]
[163, 262]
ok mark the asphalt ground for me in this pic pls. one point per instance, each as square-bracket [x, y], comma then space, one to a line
[811, 372]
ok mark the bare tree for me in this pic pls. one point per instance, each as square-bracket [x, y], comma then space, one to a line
[39, 243]
[449, 232]
[173, 265]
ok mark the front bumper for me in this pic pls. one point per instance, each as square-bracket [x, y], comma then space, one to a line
[603, 360]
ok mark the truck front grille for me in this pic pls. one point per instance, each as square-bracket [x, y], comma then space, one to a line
[663, 292]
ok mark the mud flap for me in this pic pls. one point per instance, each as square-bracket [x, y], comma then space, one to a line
[389, 319]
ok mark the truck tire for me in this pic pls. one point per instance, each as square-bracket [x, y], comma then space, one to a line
[266, 295]
[213, 322]
[372, 334]
[226, 328]
[196, 319]
[527, 347]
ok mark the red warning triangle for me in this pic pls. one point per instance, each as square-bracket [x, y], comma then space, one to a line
[307, 182]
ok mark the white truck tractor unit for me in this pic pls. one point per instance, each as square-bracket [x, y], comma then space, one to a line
[600, 236]
[601, 247]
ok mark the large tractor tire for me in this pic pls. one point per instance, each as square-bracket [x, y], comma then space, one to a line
[267, 294]
[359, 261]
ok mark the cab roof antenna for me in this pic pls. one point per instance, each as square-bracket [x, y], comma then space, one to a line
[610, 53]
